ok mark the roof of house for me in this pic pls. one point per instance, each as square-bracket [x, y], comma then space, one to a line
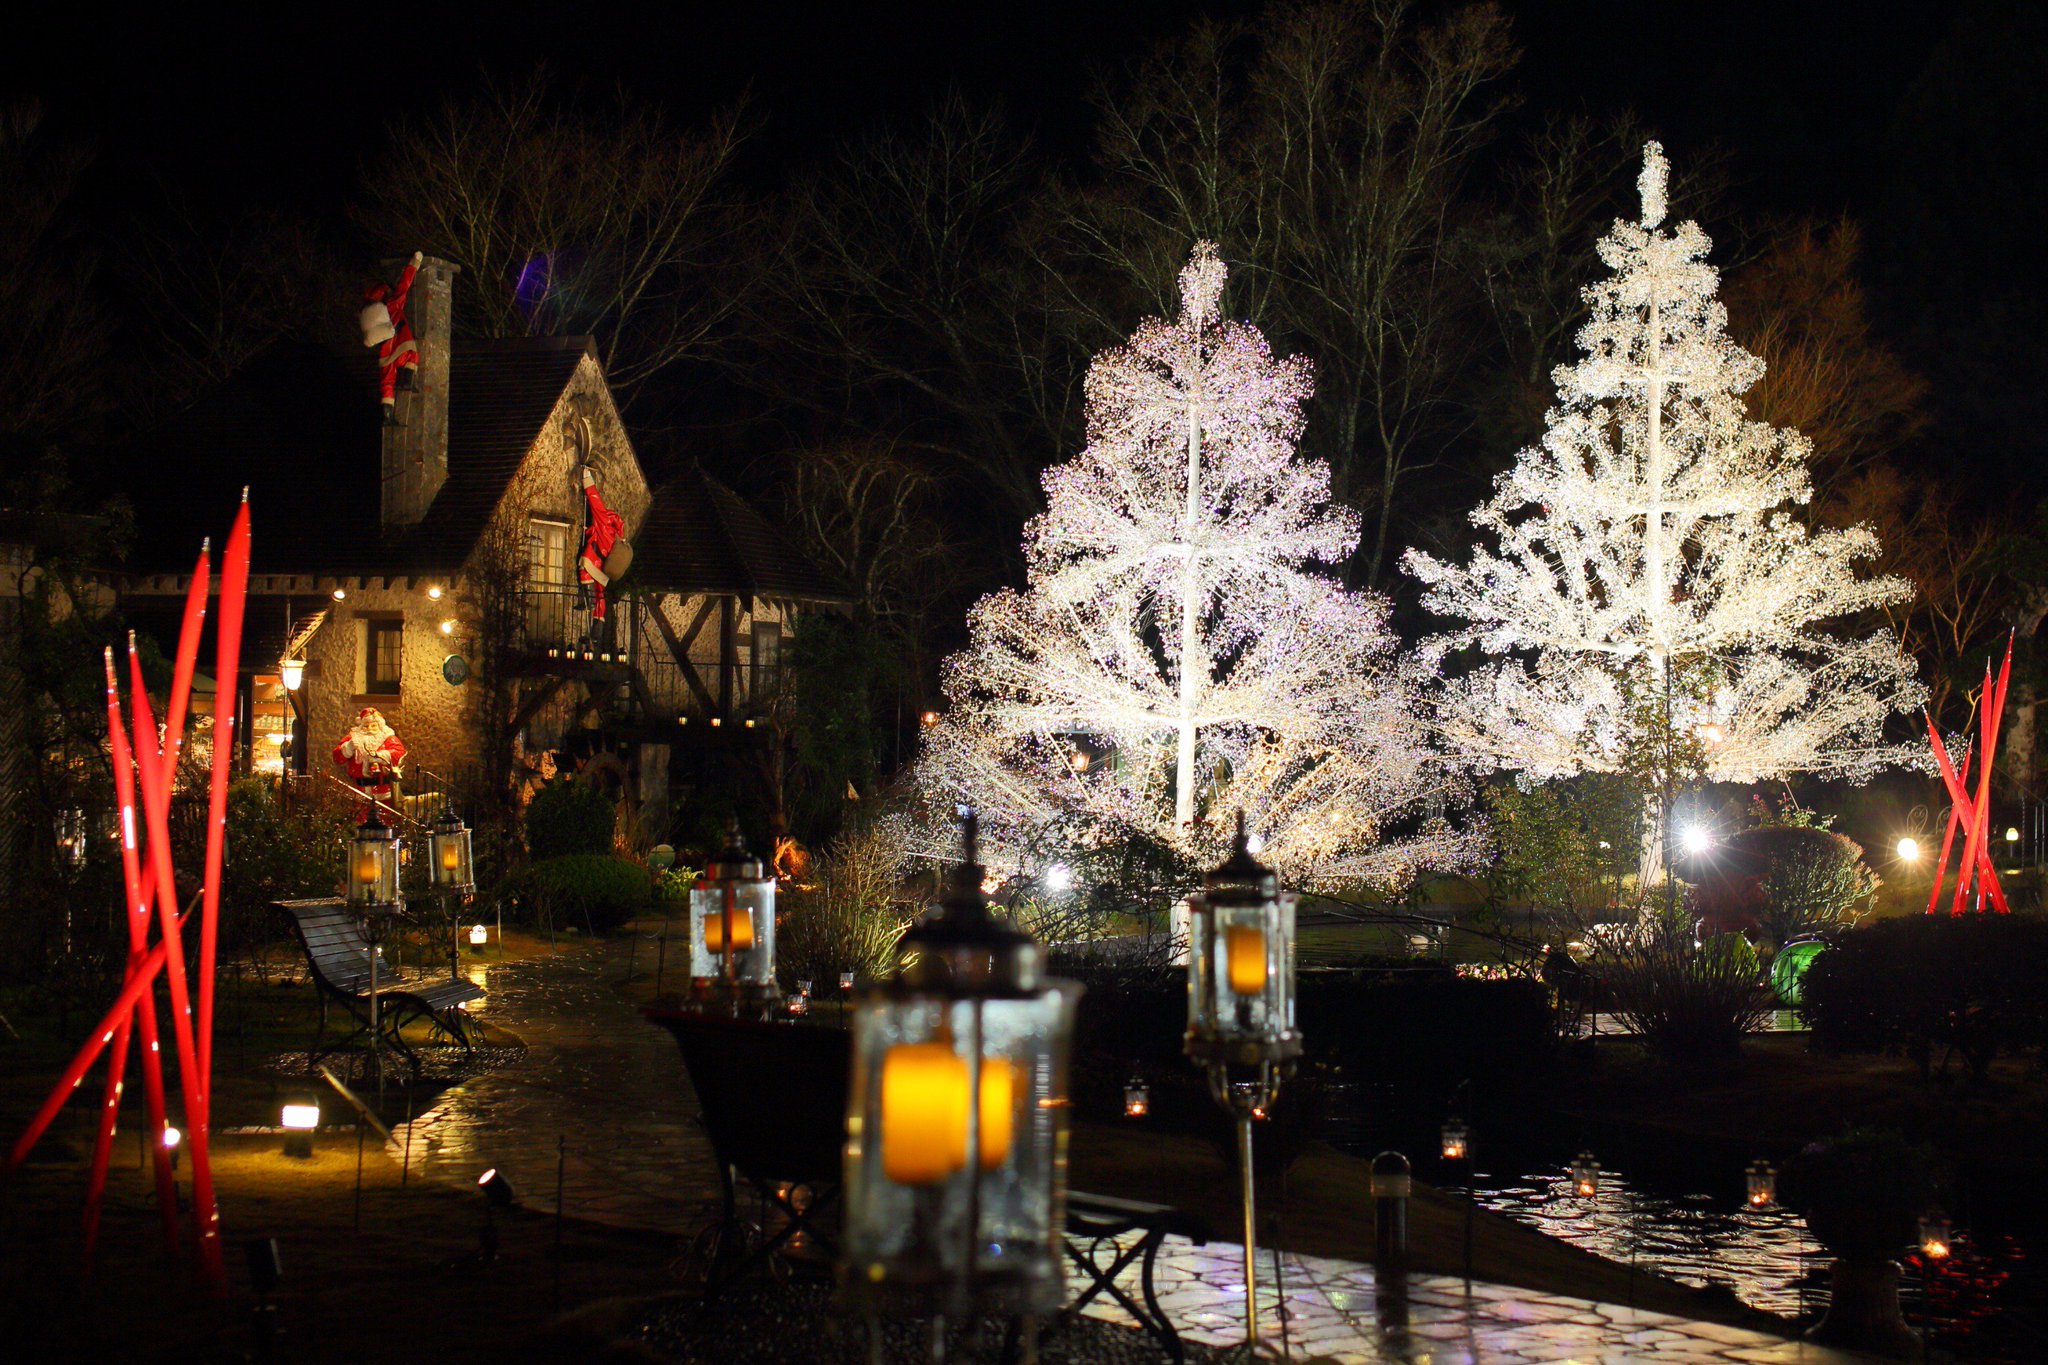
[700, 537]
[298, 425]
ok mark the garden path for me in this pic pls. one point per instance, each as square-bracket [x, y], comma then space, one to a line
[610, 1087]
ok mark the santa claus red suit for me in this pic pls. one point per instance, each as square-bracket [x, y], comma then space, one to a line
[386, 327]
[605, 552]
[372, 754]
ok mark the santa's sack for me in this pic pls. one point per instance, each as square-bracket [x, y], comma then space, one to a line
[619, 560]
[376, 321]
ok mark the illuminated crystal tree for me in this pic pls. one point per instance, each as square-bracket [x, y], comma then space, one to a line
[1173, 659]
[1654, 602]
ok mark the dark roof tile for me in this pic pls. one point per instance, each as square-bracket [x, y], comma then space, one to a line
[700, 537]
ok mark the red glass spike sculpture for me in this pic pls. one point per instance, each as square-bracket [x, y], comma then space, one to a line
[1972, 815]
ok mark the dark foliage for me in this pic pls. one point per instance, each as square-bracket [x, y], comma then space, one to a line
[580, 891]
[567, 818]
[1973, 988]
[1781, 881]
[1863, 1192]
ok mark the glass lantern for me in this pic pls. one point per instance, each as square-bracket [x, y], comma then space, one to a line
[732, 926]
[1760, 1184]
[1137, 1098]
[956, 1131]
[1241, 981]
[373, 869]
[1457, 1141]
[70, 832]
[448, 846]
[1937, 1236]
[1585, 1175]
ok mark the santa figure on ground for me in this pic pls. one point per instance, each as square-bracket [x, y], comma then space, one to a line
[386, 327]
[372, 754]
[606, 552]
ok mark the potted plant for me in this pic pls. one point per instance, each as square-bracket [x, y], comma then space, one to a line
[1862, 1194]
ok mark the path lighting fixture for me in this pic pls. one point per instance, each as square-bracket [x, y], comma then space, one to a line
[1909, 850]
[2012, 834]
[797, 1004]
[1936, 1236]
[1585, 1175]
[479, 936]
[340, 594]
[1137, 1097]
[1760, 1183]
[956, 1119]
[1457, 1141]
[373, 868]
[299, 1121]
[732, 928]
[292, 673]
[450, 860]
[1697, 839]
[1241, 1007]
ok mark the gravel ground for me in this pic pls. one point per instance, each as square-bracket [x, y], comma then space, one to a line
[778, 1325]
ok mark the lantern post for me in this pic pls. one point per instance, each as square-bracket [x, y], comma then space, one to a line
[956, 1121]
[454, 878]
[1241, 1029]
[374, 893]
[732, 930]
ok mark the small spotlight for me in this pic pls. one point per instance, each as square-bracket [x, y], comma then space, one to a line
[299, 1121]
[2012, 834]
[1697, 840]
[497, 1189]
[434, 593]
[1909, 850]
[448, 626]
[341, 594]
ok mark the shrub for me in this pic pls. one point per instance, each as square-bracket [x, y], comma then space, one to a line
[276, 855]
[599, 892]
[569, 817]
[1782, 881]
[850, 914]
[1973, 986]
[1690, 1005]
[1862, 1193]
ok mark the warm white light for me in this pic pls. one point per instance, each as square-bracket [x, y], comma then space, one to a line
[1697, 840]
[2012, 835]
[1059, 877]
[448, 626]
[279, 738]
[928, 719]
[478, 935]
[340, 594]
[292, 672]
[172, 1137]
[1909, 850]
[304, 1116]
[1078, 762]
[1254, 844]
[434, 593]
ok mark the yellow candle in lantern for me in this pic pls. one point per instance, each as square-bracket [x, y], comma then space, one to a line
[998, 1110]
[450, 855]
[924, 1113]
[1244, 950]
[369, 867]
[742, 931]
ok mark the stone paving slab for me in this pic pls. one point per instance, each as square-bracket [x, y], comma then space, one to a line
[609, 1087]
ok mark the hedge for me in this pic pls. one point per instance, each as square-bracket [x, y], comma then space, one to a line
[581, 890]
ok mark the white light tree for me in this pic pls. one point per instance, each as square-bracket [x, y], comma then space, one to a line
[1174, 659]
[1651, 577]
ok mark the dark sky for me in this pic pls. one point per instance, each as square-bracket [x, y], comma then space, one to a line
[267, 101]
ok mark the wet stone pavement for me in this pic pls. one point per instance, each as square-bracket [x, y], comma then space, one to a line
[610, 1088]
[598, 1085]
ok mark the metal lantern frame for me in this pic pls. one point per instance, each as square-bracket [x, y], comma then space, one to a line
[449, 862]
[1585, 1173]
[1241, 1028]
[1137, 1097]
[957, 1120]
[732, 929]
[1760, 1184]
[375, 893]
[1456, 1141]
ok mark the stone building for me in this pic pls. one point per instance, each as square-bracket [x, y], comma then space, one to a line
[429, 568]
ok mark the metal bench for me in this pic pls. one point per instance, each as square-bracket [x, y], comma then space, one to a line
[339, 957]
[1095, 1225]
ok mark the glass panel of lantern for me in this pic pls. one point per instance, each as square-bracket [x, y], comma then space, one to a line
[373, 868]
[1761, 1183]
[732, 920]
[963, 1050]
[1457, 1141]
[1241, 966]
[448, 847]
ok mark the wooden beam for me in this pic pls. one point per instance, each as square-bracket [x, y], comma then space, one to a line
[679, 650]
[728, 653]
[531, 705]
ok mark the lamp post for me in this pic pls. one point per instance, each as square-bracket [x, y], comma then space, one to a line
[1241, 1009]
[453, 877]
[956, 1121]
[374, 893]
[732, 929]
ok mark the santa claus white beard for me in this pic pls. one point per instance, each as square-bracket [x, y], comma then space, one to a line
[366, 741]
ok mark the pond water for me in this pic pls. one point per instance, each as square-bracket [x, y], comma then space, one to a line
[1984, 1302]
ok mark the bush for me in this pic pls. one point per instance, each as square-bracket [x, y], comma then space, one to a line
[569, 817]
[1973, 986]
[1690, 1005]
[850, 914]
[1782, 881]
[1862, 1193]
[600, 893]
[275, 855]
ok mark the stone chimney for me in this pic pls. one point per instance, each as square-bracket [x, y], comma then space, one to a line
[416, 449]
